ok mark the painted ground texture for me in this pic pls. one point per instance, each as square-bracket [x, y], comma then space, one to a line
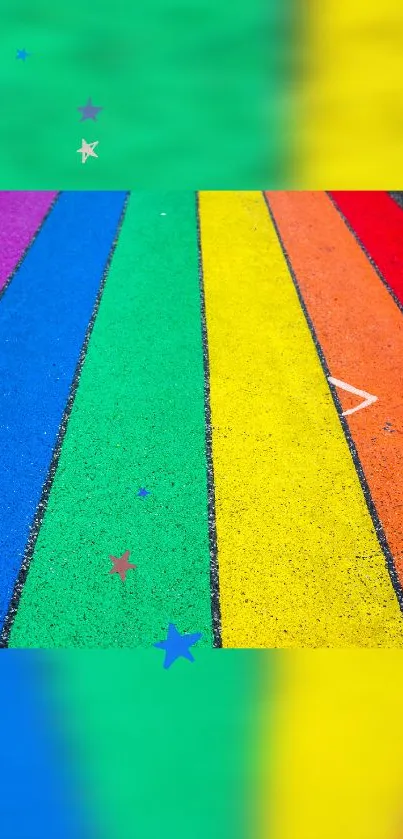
[183, 343]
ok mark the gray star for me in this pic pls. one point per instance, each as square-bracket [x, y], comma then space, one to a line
[89, 111]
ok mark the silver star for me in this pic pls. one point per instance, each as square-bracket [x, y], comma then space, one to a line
[87, 150]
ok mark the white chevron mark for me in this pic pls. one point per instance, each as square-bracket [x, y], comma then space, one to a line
[368, 398]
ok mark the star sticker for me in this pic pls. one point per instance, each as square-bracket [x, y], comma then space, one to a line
[177, 645]
[143, 492]
[22, 54]
[121, 565]
[87, 150]
[89, 111]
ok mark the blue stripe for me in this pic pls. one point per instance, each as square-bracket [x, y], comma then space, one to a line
[44, 316]
[38, 797]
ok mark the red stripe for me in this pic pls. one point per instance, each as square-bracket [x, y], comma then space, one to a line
[378, 223]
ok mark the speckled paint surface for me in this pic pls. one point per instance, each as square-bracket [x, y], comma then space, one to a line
[360, 329]
[287, 492]
[137, 420]
[333, 761]
[21, 215]
[205, 330]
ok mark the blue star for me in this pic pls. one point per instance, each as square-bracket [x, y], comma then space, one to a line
[89, 111]
[22, 54]
[177, 645]
[143, 493]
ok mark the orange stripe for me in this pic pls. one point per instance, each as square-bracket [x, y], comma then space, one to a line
[360, 330]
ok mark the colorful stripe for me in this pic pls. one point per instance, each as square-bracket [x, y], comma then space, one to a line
[281, 94]
[210, 96]
[335, 767]
[43, 321]
[347, 124]
[21, 215]
[285, 485]
[170, 754]
[378, 222]
[137, 421]
[360, 330]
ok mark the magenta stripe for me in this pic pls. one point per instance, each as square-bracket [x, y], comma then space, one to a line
[21, 213]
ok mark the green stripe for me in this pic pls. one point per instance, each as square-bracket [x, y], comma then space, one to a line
[137, 420]
[179, 754]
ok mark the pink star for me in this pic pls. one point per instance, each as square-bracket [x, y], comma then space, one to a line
[121, 565]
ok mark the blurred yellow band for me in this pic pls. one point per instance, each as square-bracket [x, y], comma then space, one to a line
[348, 103]
[338, 752]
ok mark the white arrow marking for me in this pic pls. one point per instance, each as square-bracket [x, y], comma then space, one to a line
[368, 398]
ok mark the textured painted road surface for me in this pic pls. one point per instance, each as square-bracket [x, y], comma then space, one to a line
[44, 318]
[21, 214]
[205, 330]
[137, 420]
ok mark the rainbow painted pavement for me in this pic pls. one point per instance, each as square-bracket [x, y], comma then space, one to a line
[237, 356]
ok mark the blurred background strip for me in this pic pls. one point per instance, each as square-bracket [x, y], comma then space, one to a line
[376, 219]
[194, 95]
[271, 95]
[348, 96]
[238, 745]
[335, 768]
[39, 796]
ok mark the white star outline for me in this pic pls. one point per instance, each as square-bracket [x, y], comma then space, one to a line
[87, 150]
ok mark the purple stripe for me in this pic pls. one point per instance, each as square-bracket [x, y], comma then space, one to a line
[21, 213]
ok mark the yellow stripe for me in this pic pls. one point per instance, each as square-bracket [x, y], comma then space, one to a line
[299, 561]
[337, 767]
[348, 131]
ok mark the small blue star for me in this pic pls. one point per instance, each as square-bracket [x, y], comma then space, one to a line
[177, 645]
[143, 493]
[22, 54]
